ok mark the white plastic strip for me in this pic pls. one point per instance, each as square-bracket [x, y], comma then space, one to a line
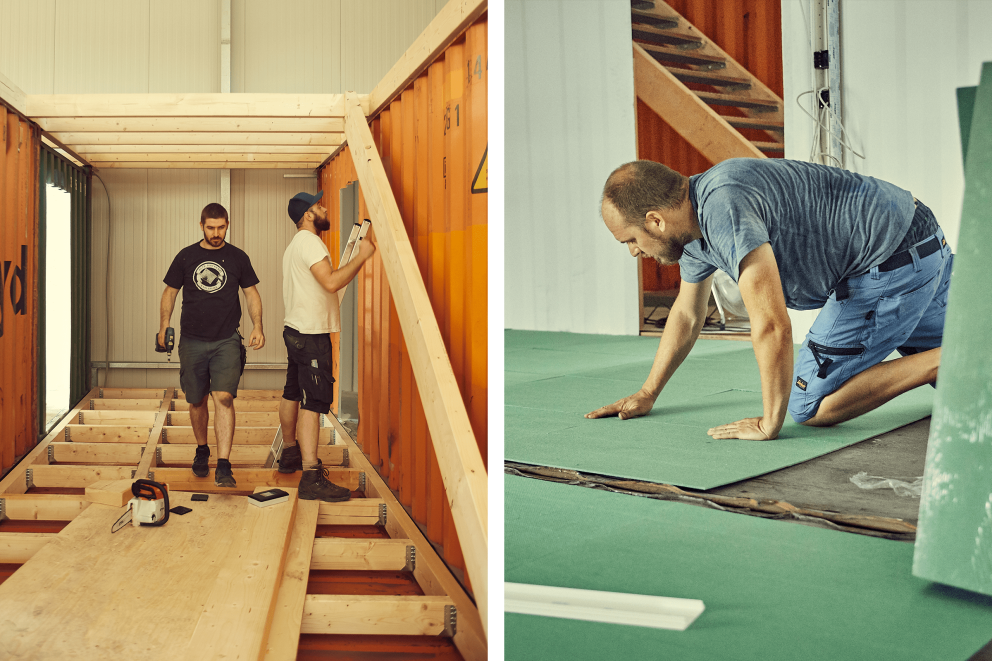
[612, 607]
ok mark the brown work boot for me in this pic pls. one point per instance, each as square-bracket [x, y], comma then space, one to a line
[314, 485]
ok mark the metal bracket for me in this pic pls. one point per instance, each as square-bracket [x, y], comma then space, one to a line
[450, 620]
[382, 514]
[101, 393]
[361, 481]
[80, 417]
[133, 473]
[67, 439]
[151, 475]
[158, 455]
[92, 408]
[411, 558]
[51, 453]
[344, 462]
[3, 509]
[163, 435]
[29, 477]
[168, 419]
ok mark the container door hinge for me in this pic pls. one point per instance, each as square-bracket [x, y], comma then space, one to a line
[450, 620]
[382, 514]
[51, 454]
[344, 462]
[361, 481]
[411, 558]
[29, 477]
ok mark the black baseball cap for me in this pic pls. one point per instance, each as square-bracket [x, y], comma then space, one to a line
[302, 202]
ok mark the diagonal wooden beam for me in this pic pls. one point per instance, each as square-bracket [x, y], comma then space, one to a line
[12, 95]
[685, 112]
[454, 442]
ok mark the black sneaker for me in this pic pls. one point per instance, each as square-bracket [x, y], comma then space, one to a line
[314, 485]
[290, 460]
[223, 476]
[201, 462]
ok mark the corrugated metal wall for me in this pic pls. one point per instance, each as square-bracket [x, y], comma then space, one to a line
[569, 118]
[432, 140]
[102, 46]
[750, 31]
[19, 286]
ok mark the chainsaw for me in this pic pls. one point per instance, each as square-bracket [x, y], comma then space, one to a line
[150, 505]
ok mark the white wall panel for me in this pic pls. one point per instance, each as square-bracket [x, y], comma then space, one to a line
[375, 33]
[901, 62]
[184, 46]
[569, 122]
[101, 46]
[24, 23]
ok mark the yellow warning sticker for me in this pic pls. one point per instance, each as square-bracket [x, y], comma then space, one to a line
[481, 182]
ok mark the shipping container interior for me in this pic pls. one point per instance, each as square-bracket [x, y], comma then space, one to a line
[108, 159]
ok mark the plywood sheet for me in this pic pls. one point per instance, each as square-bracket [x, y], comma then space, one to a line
[547, 392]
[143, 592]
[774, 591]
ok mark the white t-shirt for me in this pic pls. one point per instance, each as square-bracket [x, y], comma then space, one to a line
[310, 309]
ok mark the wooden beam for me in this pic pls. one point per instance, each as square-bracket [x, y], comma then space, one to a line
[78, 477]
[126, 404]
[184, 157]
[57, 125]
[90, 140]
[245, 395]
[43, 506]
[241, 455]
[453, 19]
[360, 554]
[130, 418]
[107, 434]
[182, 479]
[115, 493]
[284, 634]
[205, 165]
[13, 95]
[67, 151]
[451, 432]
[185, 105]
[375, 615]
[193, 151]
[18, 547]
[97, 453]
[242, 419]
[243, 436]
[133, 393]
[149, 459]
[358, 511]
[695, 121]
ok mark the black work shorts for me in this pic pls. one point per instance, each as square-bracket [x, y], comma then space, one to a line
[209, 366]
[309, 377]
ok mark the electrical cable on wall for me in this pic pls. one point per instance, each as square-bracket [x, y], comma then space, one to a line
[106, 290]
[824, 111]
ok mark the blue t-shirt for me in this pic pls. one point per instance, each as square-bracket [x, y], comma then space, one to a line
[824, 224]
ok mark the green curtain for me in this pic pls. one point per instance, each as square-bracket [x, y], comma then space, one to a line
[58, 171]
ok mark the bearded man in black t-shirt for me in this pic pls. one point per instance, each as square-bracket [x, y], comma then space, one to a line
[211, 355]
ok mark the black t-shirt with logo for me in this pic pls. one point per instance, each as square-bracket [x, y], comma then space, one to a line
[211, 278]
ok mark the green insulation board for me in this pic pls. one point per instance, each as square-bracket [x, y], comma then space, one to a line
[954, 540]
[553, 379]
[773, 590]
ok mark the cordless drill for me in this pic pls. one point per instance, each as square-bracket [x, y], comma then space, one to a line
[170, 342]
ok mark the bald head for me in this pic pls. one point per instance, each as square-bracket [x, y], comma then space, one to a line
[636, 188]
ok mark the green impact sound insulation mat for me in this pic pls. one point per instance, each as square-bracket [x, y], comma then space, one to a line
[553, 379]
[773, 591]
[954, 540]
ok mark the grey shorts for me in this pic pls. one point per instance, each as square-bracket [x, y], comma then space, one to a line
[209, 366]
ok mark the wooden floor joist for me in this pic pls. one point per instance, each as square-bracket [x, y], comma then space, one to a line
[259, 561]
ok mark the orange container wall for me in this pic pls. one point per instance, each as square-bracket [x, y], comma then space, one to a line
[750, 31]
[19, 289]
[433, 141]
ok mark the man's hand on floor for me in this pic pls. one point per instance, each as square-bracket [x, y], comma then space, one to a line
[749, 429]
[632, 406]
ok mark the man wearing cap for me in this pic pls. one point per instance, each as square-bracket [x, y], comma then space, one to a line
[211, 355]
[309, 289]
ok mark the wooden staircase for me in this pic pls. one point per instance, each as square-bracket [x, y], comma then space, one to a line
[700, 91]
